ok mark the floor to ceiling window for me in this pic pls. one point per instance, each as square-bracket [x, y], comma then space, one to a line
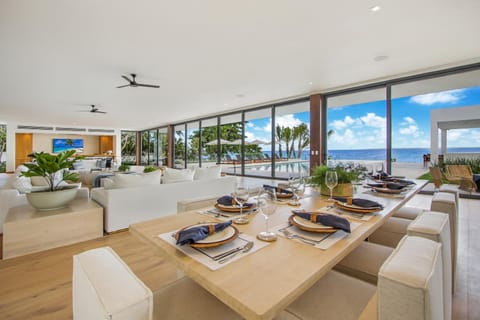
[179, 146]
[357, 129]
[412, 106]
[3, 147]
[162, 146]
[292, 139]
[231, 129]
[258, 142]
[193, 144]
[129, 147]
[209, 142]
[149, 147]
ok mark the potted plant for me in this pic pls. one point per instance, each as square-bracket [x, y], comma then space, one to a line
[148, 169]
[124, 168]
[48, 166]
[346, 173]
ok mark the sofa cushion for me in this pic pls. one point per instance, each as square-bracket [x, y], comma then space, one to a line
[207, 173]
[176, 175]
[132, 180]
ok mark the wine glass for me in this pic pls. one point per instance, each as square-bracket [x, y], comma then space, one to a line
[266, 204]
[297, 185]
[331, 181]
[241, 195]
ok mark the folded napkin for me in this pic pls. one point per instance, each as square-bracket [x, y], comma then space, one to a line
[230, 201]
[389, 185]
[277, 189]
[326, 219]
[195, 234]
[359, 202]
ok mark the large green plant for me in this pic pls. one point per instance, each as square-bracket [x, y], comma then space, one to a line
[47, 165]
[345, 174]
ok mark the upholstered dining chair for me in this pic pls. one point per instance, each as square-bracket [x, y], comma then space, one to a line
[104, 287]
[410, 286]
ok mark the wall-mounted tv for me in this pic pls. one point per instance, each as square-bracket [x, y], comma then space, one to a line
[60, 145]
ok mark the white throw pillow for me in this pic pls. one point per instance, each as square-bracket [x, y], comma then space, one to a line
[175, 175]
[207, 173]
[154, 177]
[132, 180]
[22, 184]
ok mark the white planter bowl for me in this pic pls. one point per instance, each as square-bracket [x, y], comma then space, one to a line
[44, 201]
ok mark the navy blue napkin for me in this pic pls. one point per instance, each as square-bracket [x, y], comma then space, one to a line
[389, 185]
[277, 189]
[230, 201]
[326, 219]
[195, 234]
[363, 203]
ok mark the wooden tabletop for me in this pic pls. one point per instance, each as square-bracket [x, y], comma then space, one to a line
[261, 284]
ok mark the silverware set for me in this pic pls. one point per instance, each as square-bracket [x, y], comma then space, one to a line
[290, 235]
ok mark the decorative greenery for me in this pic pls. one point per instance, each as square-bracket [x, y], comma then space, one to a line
[3, 145]
[47, 165]
[473, 163]
[124, 167]
[150, 169]
[346, 173]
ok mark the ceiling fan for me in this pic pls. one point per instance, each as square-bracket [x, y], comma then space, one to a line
[133, 83]
[93, 109]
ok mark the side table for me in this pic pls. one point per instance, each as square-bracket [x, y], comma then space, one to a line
[27, 230]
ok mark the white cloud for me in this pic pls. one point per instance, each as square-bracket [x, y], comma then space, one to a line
[249, 125]
[342, 124]
[408, 120]
[410, 130]
[372, 120]
[428, 99]
[287, 120]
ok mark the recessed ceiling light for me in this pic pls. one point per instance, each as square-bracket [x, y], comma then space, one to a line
[310, 83]
[380, 58]
[375, 8]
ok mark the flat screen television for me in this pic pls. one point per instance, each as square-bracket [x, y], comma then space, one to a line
[60, 145]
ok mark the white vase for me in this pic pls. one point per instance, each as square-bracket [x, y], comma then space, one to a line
[51, 200]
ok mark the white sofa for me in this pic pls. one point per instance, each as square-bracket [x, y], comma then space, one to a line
[125, 206]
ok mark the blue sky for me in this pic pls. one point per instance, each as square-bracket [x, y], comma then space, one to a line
[363, 126]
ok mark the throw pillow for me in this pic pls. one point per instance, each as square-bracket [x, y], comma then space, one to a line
[22, 184]
[207, 173]
[176, 175]
[153, 177]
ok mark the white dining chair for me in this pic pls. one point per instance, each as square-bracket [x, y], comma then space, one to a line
[104, 287]
[410, 286]
[195, 204]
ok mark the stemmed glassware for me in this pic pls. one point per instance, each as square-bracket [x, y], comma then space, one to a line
[241, 195]
[331, 181]
[297, 185]
[266, 204]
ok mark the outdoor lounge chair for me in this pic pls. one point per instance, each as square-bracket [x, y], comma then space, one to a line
[461, 173]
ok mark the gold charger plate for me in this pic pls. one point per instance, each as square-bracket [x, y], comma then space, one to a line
[281, 195]
[307, 225]
[354, 208]
[227, 235]
[233, 208]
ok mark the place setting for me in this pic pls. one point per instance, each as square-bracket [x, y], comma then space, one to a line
[356, 208]
[214, 244]
[233, 207]
[316, 228]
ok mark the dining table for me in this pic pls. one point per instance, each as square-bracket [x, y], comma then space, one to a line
[261, 284]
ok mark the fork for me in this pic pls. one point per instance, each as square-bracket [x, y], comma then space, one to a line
[291, 235]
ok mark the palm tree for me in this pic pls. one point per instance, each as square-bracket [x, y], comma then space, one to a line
[301, 133]
[279, 134]
[288, 138]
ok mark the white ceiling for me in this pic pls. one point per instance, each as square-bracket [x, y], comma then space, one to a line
[209, 56]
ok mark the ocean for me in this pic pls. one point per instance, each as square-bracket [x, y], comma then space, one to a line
[413, 155]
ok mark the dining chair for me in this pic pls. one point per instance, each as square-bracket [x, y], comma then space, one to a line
[195, 204]
[410, 286]
[462, 173]
[104, 287]
[366, 260]
[438, 177]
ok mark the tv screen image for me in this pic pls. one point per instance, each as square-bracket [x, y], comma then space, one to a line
[60, 145]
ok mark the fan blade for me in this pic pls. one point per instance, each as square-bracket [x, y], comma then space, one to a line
[126, 78]
[127, 85]
[147, 85]
[96, 111]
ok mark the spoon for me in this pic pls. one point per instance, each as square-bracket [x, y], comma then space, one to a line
[247, 247]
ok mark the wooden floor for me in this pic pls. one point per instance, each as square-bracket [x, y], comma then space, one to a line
[38, 286]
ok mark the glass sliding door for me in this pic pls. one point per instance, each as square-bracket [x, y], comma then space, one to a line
[258, 142]
[162, 146]
[357, 129]
[3, 147]
[179, 147]
[129, 147]
[292, 140]
[209, 142]
[231, 129]
[415, 105]
[193, 144]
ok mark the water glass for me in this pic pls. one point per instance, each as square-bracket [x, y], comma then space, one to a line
[266, 204]
[331, 181]
[241, 195]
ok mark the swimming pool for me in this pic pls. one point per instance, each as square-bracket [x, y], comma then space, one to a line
[283, 169]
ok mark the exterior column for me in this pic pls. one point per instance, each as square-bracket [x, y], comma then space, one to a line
[444, 142]
[434, 141]
[317, 128]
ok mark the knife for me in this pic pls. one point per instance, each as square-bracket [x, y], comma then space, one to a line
[227, 253]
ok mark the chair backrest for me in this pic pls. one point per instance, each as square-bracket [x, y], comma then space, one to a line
[194, 204]
[435, 226]
[410, 282]
[437, 176]
[459, 170]
[104, 287]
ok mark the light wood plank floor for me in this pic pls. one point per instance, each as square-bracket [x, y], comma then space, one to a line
[38, 286]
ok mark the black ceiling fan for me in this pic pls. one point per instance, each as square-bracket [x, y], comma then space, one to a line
[133, 83]
[93, 109]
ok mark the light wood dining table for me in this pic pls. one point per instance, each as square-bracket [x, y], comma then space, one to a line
[261, 284]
